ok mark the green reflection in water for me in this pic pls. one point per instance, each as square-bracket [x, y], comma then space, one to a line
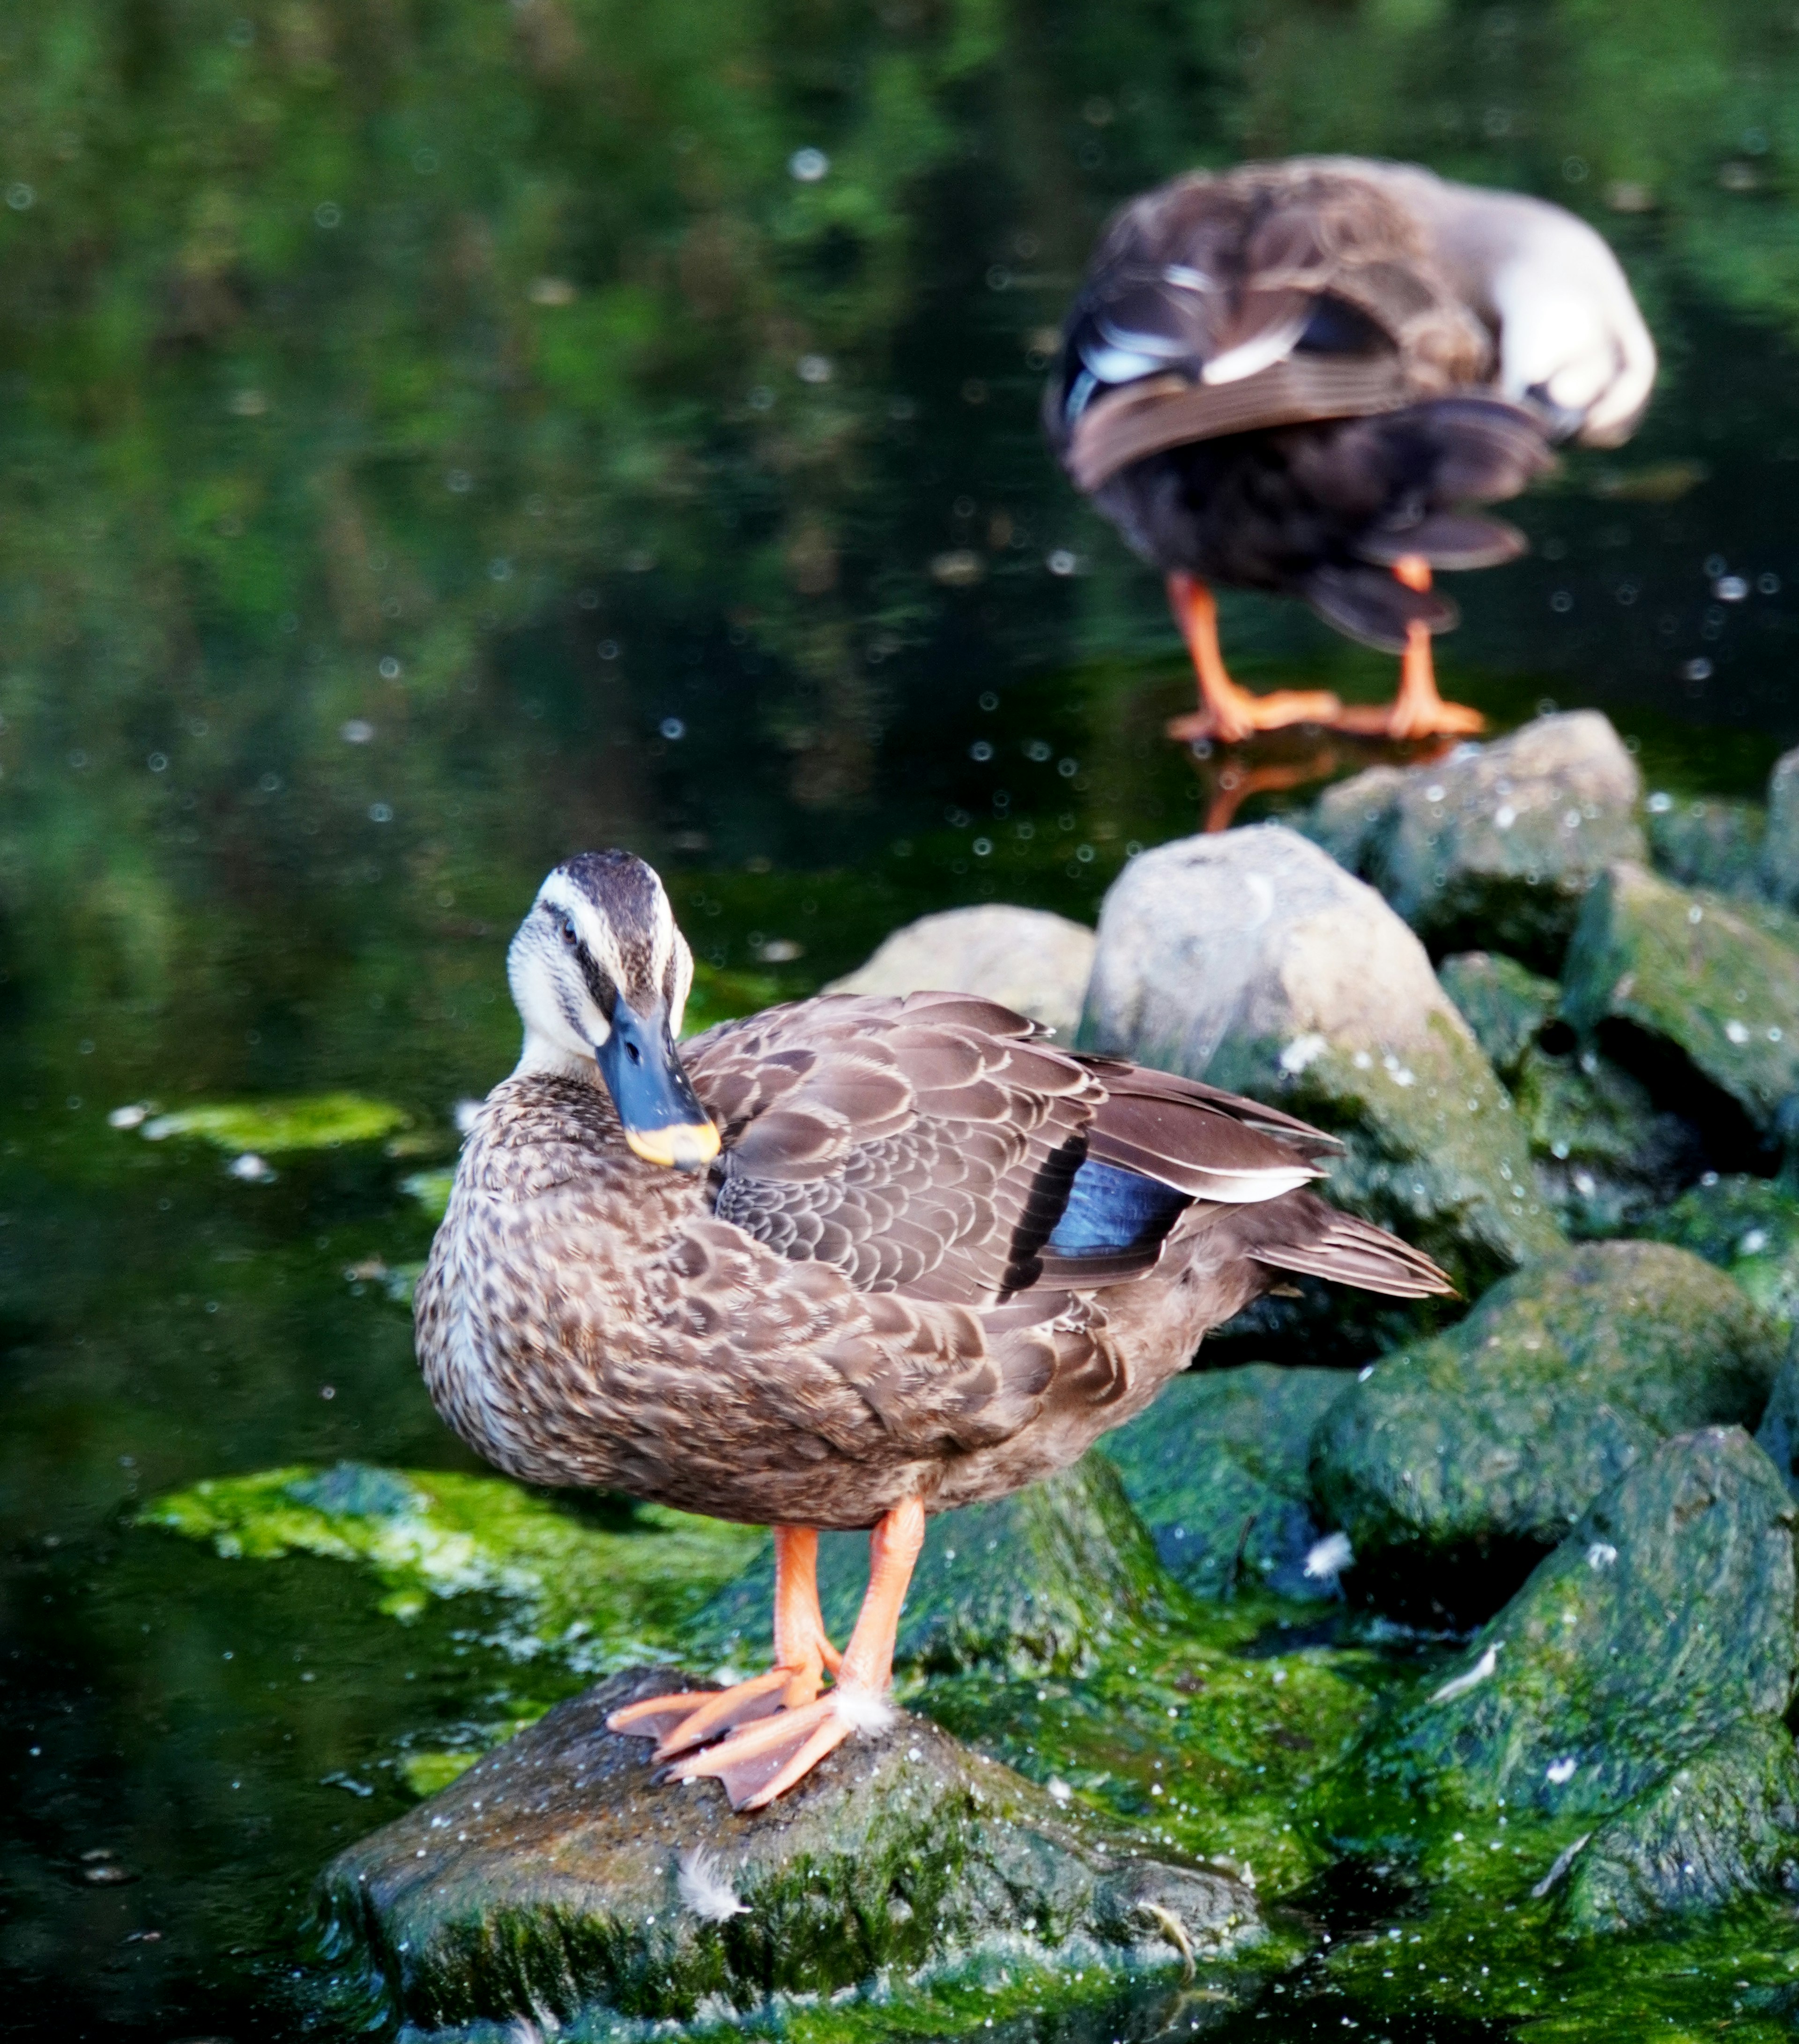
[438, 437]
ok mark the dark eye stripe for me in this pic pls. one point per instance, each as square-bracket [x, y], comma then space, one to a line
[599, 983]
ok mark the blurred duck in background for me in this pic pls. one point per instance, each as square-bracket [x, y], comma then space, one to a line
[1297, 376]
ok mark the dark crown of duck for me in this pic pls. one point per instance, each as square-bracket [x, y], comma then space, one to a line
[601, 975]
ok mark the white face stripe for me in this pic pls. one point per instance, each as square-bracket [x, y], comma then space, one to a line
[564, 1022]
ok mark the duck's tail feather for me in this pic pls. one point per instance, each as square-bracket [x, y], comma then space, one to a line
[1303, 1234]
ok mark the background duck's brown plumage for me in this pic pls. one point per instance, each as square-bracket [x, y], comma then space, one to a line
[882, 1291]
[1271, 379]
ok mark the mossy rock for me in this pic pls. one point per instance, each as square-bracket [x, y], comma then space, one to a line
[1664, 1620]
[556, 1878]
[1698, 996]
[1453, 1464]
[1505, 1004]
[1046, 1581]
[1606, 1157]
[1749, 1227]
[318, 1121]
[1496, 844]
[1721, 1826]
[1217, 1469]
[1708, 842]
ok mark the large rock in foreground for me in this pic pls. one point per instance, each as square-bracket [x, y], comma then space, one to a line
[1496, 844]
[1482, 1446]
[1025, 958]
[556, 1876]
[1664, 1621]
[1700, 996]
[1217, 1469]
[1252, 959]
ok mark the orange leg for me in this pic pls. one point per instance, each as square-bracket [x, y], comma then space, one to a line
[1417, 711]
[802, 1653]
[1227, 712]
[765, 1760]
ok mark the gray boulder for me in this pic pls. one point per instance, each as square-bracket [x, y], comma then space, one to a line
[1043, 1582]
[1706, 842]
[1488, 1441]
[1663, 1622]
[1778, 868]
[557, 1877]
[1252, 959]
[1217, 1469]
[1025, 958]
[1498, 843]
[1700, 996]
[1723, 1825]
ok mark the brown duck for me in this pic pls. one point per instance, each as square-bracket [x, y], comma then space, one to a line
[1293, 376]
[844, 1263]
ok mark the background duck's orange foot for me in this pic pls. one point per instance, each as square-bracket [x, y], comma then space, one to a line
[1244, 714]
[689, 1717]
[1402, 721]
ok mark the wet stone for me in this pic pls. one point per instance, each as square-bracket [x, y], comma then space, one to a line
[1698, 996]
[1777, 1436]
[1779, 867]
[1453, 1464]
[1497, 845]
[557, 1877]
[1710, 843]
[1505, 1004]
[1606, 1156]
[1723, 1825]
[1664, 1620]
[1251, 959]
[1217, 1470]
[1748, 1226]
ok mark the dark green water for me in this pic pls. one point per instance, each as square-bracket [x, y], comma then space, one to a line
[436, 438]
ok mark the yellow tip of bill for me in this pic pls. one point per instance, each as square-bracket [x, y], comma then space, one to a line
[684, 1147]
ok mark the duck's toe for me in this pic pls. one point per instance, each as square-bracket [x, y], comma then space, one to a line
[690, 1717]
[766, 1759]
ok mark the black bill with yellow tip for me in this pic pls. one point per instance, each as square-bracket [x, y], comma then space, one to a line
[663, 1122]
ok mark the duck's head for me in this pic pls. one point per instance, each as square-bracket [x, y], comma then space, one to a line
[601, 975]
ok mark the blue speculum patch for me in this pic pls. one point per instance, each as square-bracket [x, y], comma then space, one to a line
[1111, 1209]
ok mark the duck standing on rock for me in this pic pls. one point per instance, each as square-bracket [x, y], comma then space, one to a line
[1290, 376]
[840, 1264]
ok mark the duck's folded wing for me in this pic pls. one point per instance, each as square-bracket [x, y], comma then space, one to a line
[924, 1145]
[1272, 295]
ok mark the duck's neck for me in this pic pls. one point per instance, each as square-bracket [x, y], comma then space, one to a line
[540, 1059]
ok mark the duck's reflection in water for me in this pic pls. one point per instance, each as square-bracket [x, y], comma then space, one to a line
[1275, 761]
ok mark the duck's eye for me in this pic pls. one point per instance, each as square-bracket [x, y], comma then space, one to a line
[568, 930]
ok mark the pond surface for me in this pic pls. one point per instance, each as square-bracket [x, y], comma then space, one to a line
[437, 438]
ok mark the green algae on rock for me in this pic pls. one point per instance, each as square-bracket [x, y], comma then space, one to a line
[1749, 1227]
[1719, 1827]
[1496, 844]
[556, 1875]
[1218, 1471]
[1711, 842]
[1699, 995]
[1664, 1620]
[595, 1598]
[316, 1121]
[1505, 1004]
[1606, 1156]
[1252, 960]
[1491, 1440]
[1045, 1581]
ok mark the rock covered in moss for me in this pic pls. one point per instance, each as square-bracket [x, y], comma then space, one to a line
[1663, 1621]
[1699, 996]
[556, 1876]
[1777, 1436]
[1217, 1470]
[1778, 868]
[1041, 1582]
[1252, 959]
[1487, 1443]
[1505, 1004]
[1497, 844]
[1706, 842]
[1025, 958]
[1606, 1155]
[1748, 1226]
[1721, 1826]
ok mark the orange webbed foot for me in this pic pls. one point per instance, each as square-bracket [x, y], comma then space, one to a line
[689, 1717]
[765, 1760]
[1228, 722]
